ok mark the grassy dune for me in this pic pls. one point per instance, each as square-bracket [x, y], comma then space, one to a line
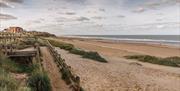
[169, 61]
[37, 81]
[85, 54]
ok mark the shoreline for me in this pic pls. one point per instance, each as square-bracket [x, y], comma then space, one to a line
[130, 41]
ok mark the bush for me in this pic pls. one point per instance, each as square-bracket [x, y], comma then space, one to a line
[7, 83]
[174, 59]
[170, 61]
[77, 51]
[66, 75]
[62, 45]
[90, 55]
[94, 56]
[27, 68]
[11, 66]
[39, 81]
[24, 89]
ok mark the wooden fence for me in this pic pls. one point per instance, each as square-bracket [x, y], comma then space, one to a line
[70, 78]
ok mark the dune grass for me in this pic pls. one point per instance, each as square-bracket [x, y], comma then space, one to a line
[11, 66]
[85, 54]
[90, 54]
[39, 81]
[7, 83]
[62, 45]
[169, 61]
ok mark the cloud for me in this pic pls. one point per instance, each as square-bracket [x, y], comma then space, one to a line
[103, 10]
[40, 20]
[6, 17]
[4, 5]
[76, 1]
[161, 26]
[144, 5]
[161, 3]
[62, 19]
[82, 19]
[139, 10]
[121, 16]
[14, 1]
[98, 17]
[70, 13]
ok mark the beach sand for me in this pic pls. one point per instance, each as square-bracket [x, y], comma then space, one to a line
[121, 74]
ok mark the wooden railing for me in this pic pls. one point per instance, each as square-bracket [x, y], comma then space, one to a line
[70, 78]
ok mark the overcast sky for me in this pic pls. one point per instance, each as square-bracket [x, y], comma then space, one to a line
[69, 17]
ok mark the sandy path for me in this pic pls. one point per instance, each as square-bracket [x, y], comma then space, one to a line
[53, 72]
[120, 75]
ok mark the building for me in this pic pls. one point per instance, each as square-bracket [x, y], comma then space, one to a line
[14, 29]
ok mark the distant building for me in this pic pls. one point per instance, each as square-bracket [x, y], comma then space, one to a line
[14, 29]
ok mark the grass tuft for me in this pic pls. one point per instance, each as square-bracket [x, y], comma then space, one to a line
[7, 83]
[169, 61]
[62, 45]
[39, 81]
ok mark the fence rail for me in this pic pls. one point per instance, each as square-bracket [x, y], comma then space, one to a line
[70, 78]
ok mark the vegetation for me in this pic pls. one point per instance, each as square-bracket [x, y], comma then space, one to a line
[77, 51]
[11, 66]
[169, 61]
[90, 55]
[66, 75]
[83, 53]
[39, 81]
[62, 45]
[94, 56]
[7, 83]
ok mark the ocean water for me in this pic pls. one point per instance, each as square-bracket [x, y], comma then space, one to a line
[162, 39]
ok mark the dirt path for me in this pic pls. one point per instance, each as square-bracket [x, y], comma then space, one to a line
[121, 75]
[53, 72]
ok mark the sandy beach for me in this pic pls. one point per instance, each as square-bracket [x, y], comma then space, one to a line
[121, 74]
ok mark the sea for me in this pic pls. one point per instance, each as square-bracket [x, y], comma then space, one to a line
[172, 40]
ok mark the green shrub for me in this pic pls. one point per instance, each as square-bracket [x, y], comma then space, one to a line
[94, 56]
[39, 81]
[62, 45]
[29, 41]
[7, 83]
[27, 68]
[11, 66]
[66, 75]
[174, 59]
[170, 61]
[77, 51]
[24, 89]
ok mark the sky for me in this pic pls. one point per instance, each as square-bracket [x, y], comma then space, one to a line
[93, 17]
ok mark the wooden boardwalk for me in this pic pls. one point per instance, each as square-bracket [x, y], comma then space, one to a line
[22, 54]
